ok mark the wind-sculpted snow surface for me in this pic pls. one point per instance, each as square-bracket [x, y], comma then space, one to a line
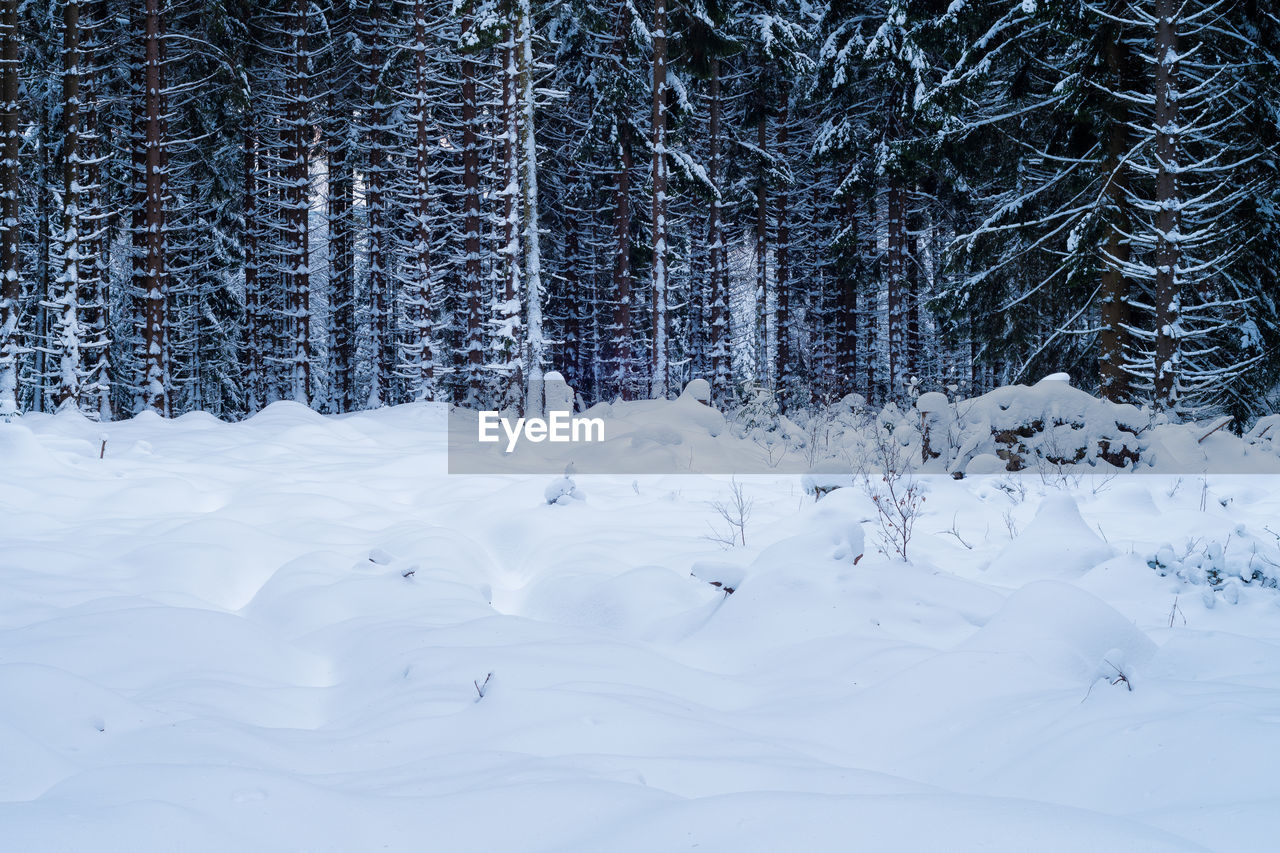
[300, 633]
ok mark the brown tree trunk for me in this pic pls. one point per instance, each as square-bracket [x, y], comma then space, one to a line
[1114, 381]
[510, 251]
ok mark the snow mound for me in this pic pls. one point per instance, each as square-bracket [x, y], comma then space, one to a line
[1066, 632]
[1056, 544]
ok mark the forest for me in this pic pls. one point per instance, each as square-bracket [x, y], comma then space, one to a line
[217, 204]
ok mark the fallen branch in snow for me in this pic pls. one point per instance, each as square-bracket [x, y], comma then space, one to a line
[480, 688]
[102, 451]
[1216, 425]
[1176, 611]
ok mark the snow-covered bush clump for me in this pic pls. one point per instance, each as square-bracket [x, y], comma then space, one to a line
[562, 490]
[1046, 424]
[1217, 567]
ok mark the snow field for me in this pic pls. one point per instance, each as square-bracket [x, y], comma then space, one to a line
[269, 636]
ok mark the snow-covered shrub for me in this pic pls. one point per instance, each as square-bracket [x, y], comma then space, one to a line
[1217, 566]
[562, 490]
[1265, 432]
[897, 495]
[1049, 423]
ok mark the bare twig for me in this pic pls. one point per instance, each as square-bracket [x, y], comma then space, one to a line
[480, 688]
[956, 533]
[736, 511]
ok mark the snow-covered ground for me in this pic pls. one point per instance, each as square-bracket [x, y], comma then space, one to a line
[269, 636]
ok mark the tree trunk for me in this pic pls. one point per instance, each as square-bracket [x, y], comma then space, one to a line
[298, 207]
[846, 307]
[155, 283]
[536, 354]
[67, 331]
[342, 281]
[419, 304]
[895, 276]
[1167, 297]
[472, 276]
[721, 367]
[619, 376]
[1114, 381]
[255, 337]
[510, 338]
[10, 231]
[380, 306]
[658, 365]
[762, 250]
[783, 371]
[95, 266]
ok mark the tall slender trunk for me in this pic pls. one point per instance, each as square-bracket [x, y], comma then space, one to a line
[10, 232]
[155, 281]
[1167, 297]
[1114, 381]
[510, 250]
[419, 303]
[510, 319]
[658, 364]
[784, 370]
[869, 297]
[95, 267]
[67, 332]
[298, 206]
[619, 346]
[721, 367]
[913, 279]
[255, 333]
[342, 253]
[895, 276]
[846, 307]
[472, 276]
[536, 353]
[762, 250]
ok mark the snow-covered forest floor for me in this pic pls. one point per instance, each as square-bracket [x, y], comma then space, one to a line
[274, 635]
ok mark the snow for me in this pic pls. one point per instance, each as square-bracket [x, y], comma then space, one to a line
[273, 635]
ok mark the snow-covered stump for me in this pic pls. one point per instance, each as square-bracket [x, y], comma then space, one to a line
[698, 390]
[558, 394]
